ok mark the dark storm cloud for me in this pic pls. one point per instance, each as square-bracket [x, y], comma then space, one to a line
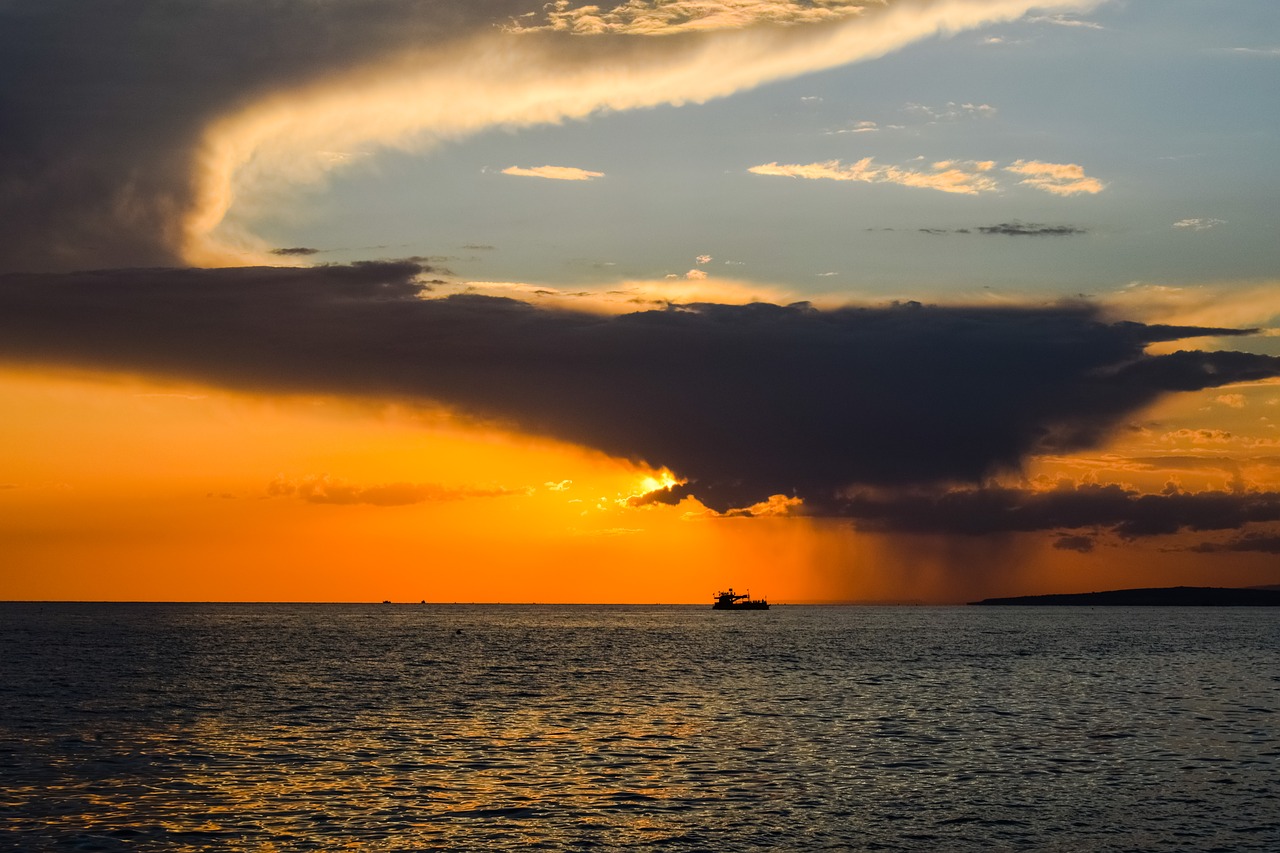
[103, 103]
[992, 510]
[744, 400]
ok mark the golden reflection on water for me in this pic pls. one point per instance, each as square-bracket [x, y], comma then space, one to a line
[217, 782]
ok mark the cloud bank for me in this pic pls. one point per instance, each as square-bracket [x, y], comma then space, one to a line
[1110, 508]
[745, 401]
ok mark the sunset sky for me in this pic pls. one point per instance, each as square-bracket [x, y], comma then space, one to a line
[498, 300]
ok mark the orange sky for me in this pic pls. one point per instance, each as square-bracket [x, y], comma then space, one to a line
[118, 488]
[842, 266]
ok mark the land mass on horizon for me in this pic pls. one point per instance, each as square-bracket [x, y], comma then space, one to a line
[1175, 596]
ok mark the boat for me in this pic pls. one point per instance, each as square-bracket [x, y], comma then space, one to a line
[733, 601]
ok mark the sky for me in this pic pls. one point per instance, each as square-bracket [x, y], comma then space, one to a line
[833, 300]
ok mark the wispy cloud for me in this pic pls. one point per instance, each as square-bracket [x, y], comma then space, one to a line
[324, 489]
[664, 17]
[1235, 401]
[1056, 178]
[967, 177]
[1198, 224]
[918, 115]
[861, 127]
[951, 111]
[866, 127]
[1065, 21]
[554, 173]
[1258, 51]
[172, 396]
[1239, 304]
[950, 176]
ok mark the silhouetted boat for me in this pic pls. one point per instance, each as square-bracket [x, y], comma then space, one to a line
[730, 601]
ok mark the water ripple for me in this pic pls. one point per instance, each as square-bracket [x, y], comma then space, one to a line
[276, 727]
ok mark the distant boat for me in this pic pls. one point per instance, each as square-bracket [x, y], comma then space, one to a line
[731, 601]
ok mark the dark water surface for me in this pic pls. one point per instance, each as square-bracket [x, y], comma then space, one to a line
[407, 727]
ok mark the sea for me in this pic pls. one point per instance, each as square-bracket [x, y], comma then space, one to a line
[402, 727]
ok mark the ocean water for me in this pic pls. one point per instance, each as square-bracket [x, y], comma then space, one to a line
[411, 727]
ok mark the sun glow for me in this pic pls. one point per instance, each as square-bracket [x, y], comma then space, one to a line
[664, 480]
[210, 495]
[649, 484]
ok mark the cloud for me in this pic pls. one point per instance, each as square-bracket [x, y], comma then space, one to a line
[1198, 224]
[926, 115]
[950, 176]
[1080, 544]
[296, 251]
[1257, 51]
[1122, 511]
[1234, 304]
[1013, 229]
[776, 506]
[555, 173]
[1056, 178]
[861, 127]
[968, 177]
[951, 111]
[1065, 21]
[131, 140]
[623, 297]
[744, 401]
[1257, 542]
[1197, 436]
[1031, 229]
[665, 17]
[323, 489]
